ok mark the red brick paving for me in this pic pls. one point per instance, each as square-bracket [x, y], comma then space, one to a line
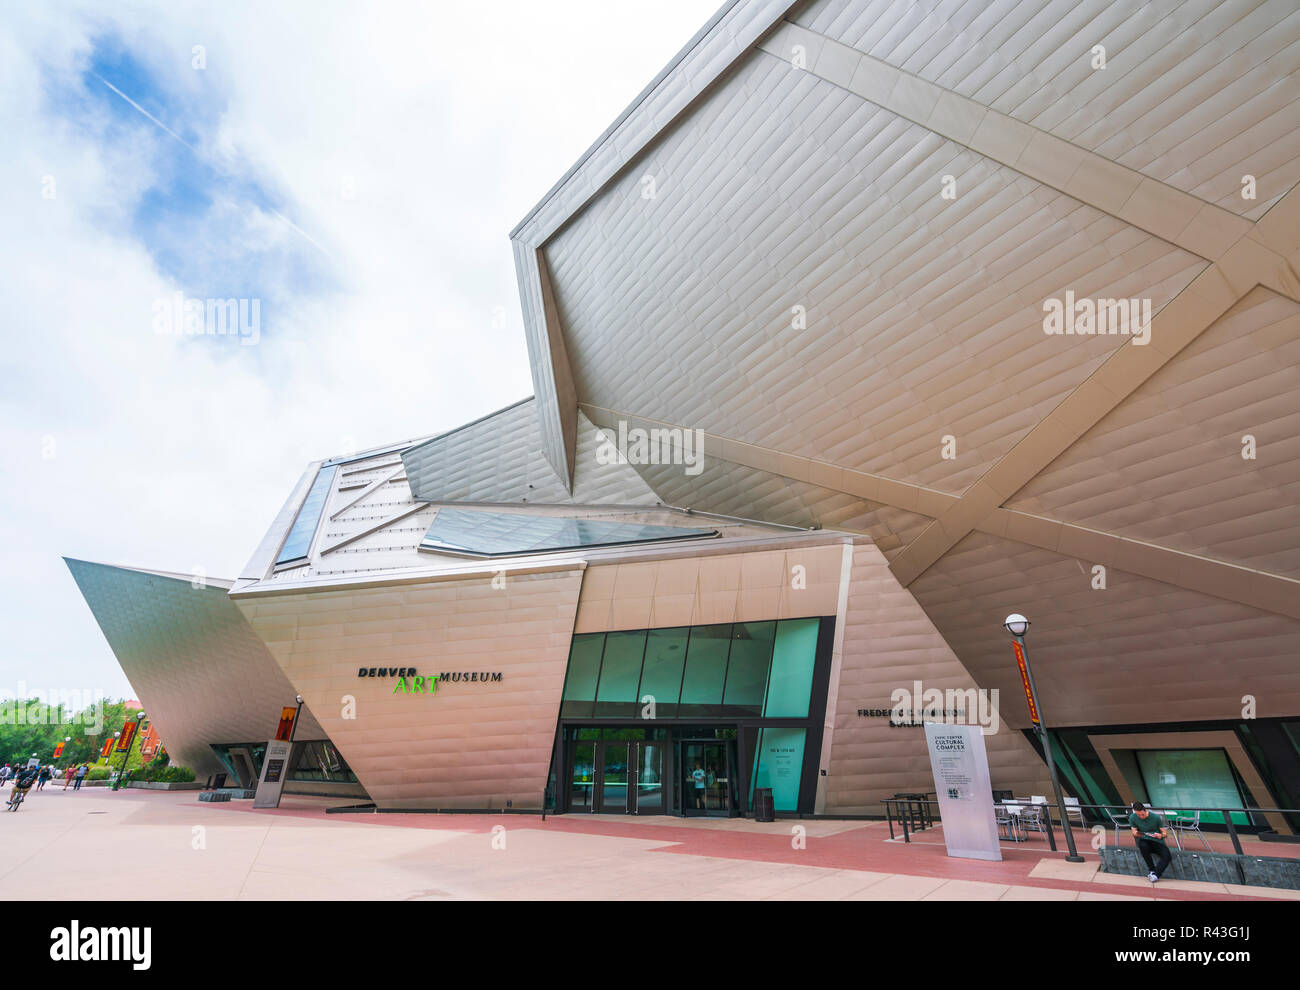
[864, 847]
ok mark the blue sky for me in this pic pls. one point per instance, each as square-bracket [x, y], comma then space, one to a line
[355, 169]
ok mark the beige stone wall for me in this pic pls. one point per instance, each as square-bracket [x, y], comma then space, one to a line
[691, 591]
[469, 745]
[888, 643]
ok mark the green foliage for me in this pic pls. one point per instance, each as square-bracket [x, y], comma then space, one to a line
[164, 774]
[30, 726]
[97, 773]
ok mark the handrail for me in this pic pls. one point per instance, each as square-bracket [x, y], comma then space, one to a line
[928, 820]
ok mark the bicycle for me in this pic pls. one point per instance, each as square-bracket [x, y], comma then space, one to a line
[17, 797]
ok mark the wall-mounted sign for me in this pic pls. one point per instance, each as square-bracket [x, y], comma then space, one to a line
[386, 672]
[429, 684]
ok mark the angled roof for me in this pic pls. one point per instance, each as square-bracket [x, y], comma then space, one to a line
[200, 671]
[825, 238]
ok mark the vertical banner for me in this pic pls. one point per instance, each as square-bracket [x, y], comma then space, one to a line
[58, 750]
[108, 748]
[284, 731]
[1024, 679]
[960, 765]
[127, 737]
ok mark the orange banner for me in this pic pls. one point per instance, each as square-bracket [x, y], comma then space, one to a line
[127, 737]
[108, 748]
[284, 731]
[1024, 679]
[58, 751]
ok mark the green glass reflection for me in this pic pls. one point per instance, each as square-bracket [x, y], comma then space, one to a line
[620, 672]
[793, 656]
[580, 682]
[661, 677]
[751, 653]
[778, 764]
[706, 669]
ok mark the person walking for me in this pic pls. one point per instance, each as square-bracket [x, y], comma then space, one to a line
[80, 776]
[67, 775]
[43, 777]
[1150, 832]
[5, 771]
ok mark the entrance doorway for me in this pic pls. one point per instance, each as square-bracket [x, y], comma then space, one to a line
[617, 777]
[708, 780]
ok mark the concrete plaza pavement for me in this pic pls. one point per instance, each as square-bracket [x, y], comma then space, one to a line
[93, 844]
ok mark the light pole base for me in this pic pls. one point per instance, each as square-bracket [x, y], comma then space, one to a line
[1074, 859]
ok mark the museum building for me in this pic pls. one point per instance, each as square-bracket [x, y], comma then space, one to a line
[799, 441]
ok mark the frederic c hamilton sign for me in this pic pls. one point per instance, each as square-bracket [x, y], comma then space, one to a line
[409, 681]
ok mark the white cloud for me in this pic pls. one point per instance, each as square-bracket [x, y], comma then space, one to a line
[449, 122]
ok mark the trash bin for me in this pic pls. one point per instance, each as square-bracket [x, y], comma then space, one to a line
[764, 806]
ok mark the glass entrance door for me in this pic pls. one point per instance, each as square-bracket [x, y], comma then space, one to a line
[707, 781]
[618, 777]
[582, 776]
[649, 792]
[612, 791]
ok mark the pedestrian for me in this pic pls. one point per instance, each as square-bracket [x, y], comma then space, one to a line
[1150, 832]
[67, 775]
[80, 776]
[5, 771]
[42, 777]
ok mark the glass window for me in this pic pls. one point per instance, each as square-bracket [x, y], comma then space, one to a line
[580, 683]
[706, 669]
[298, 542]
[620, 672]
[661, 677]
[778, 764]
[793, 656]
[495, 534]
[1190, 778]
[751, 653]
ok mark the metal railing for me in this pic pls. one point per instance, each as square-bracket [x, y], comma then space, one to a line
[912, 812]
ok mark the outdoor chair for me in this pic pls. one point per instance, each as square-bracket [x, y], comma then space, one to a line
[1190, 825]
[1072, 809]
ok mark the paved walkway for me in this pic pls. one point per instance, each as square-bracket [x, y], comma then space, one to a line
[93, 844]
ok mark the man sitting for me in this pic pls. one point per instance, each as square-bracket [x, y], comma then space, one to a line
[1150, 831]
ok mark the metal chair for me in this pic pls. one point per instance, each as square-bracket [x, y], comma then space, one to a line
[1119, 819]
[1072, 809]
[1007, 820]
[1031, 818]
[1194, 825]
[1171, 820]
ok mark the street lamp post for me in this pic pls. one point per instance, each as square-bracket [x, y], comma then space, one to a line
[126, 754]
[1017, 625]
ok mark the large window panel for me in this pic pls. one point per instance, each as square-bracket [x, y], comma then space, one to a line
[793, 656]
[751, 654]
[620, 672]
[661, 677]
[778, 764]
[584, 669]
[706, 670]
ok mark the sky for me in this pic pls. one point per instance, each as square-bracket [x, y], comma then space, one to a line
[350, 171]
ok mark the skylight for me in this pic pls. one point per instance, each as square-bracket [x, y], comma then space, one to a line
[298, 543]
[501, 534]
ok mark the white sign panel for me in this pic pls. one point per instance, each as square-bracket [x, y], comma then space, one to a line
[275, 767]
[960, 765]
